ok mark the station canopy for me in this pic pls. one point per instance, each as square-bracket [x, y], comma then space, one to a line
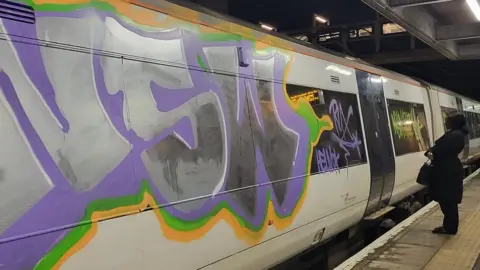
[452, 27]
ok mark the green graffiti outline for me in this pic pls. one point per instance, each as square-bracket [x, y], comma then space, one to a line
[399, 115]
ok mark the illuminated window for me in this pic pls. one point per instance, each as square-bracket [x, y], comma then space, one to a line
[312, 96]
[365, 32]
[328, 36]
[353, 34]
[392, 28]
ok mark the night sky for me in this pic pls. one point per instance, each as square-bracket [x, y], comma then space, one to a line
[290, 15]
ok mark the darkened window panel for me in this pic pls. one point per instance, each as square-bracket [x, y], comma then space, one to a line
[477, 125]
[445, 113]
[471, 123]
[409, 127]
[474, 124]
[472, 118]
[343, 146]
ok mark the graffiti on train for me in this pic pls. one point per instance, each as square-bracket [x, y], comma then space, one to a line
[327, 159]
[404, 123]
[342, 146]
[409, 127]
[99, 137]
[346, 138]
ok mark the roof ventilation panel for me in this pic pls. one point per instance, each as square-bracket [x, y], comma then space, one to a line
[19, 12]
[334, 79]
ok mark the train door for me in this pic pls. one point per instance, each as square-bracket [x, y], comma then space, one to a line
[378, 139]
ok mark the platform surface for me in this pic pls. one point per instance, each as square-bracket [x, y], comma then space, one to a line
[417, 248]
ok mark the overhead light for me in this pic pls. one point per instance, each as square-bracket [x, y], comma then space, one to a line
[267, 27]
[474, 7]
[320, 19]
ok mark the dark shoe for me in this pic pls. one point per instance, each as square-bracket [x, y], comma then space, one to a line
[441, 230]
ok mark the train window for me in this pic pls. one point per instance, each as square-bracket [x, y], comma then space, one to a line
[353, 34]
[328, 36]
[473, 124]
[476, 126]
[409, 127]
[445, 112]
[469, 118]
[362, 32]
[343, 146]
[392, 28]
[469, 125]
[365, 32]
[472, 118]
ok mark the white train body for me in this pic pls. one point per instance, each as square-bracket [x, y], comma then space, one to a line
[151, 136]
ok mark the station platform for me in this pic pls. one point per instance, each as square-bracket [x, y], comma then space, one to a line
[411, 245]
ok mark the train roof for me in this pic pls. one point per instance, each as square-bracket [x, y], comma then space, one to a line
[446, 91]
[183, 10]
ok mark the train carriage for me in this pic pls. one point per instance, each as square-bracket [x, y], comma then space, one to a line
[145, 135]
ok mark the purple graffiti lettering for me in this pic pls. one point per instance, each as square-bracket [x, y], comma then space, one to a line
[345, 138]
[327, 159]
[188, 135]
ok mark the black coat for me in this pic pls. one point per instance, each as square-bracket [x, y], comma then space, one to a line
[447, 183]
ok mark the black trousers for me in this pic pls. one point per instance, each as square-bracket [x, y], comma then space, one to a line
[451, 219]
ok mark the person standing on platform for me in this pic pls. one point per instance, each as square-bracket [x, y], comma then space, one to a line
[446, 186]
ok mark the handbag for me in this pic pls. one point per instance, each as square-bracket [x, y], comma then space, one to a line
[425, 175]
